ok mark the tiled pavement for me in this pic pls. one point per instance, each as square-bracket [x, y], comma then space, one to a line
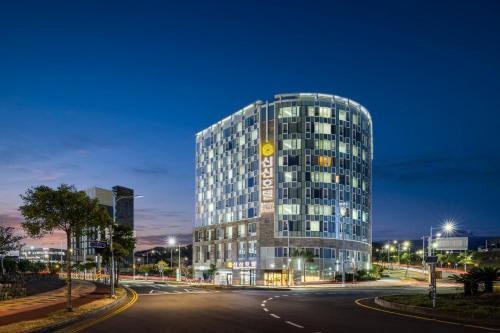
[40, 303]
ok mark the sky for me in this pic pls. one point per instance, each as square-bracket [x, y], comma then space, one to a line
[97, 93]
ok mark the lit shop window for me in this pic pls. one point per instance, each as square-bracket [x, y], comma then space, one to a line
[325, 161]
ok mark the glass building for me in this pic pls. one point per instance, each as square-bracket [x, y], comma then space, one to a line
[283, 192]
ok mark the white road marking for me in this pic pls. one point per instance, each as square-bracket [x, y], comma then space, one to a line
[276, 296]
[264, 301]
[275, 316]
[293, 324]
[186, 290]
[265, 309]
[151, 291]
[285, 295]
[270, 298]
[262, 304]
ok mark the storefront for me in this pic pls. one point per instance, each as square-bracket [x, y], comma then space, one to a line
[248, 277]
[276, 278]
[224, 277]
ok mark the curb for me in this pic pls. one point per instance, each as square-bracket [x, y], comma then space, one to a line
[430, 313]
[240, 288]
[56, 326]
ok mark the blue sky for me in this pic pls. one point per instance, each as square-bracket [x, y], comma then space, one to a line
[96, 93]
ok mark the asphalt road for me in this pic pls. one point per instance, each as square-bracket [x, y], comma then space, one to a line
[180, 309]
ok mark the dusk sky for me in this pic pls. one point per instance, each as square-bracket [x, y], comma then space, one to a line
[106, 93]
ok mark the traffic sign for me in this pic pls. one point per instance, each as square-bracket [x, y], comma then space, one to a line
[431, 259]
[98, 244]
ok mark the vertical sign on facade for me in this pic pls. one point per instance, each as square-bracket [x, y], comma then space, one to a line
[267, 162]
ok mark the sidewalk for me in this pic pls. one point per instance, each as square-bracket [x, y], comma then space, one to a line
[37, 306]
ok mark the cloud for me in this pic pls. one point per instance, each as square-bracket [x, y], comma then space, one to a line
[440, 168]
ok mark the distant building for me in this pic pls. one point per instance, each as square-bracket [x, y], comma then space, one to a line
[119, 197]
[283, 191]
[490, 245]
[45, 255]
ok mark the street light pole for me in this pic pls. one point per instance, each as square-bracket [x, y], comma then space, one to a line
[112, 273]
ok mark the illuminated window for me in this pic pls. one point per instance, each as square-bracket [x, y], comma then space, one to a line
[342, 147]
[325, 161]
[325, 112]
[310, 111]
[289, 111]
[322, 128]
[291, 144]
[342, 115]
[355, 151]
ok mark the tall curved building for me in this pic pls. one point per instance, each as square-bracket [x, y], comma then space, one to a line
[283, 192]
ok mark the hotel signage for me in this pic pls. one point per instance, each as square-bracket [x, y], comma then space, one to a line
[267, 163]
[244, 264]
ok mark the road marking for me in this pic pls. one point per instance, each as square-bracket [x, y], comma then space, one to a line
[186, 290]
[151, 291]
[285, 295]
[293, 324]
[265, 309]
[134, 298]
[262, 304]
[358, 302]
[276, 296]
[275, 316]
[270, 298]
[264, 301]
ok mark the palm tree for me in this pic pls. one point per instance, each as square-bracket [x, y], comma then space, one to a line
[469, 281]
[306, 257]
[487, 275]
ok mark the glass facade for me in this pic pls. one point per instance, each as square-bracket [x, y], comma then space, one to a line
[320, 150]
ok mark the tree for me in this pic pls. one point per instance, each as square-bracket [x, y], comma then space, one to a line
[73, 212]
[9, 241]
[469, 281]
[306, 257]
[161, 266]
[123, 246]
[212, 271]
[465, 259]
[487, 275]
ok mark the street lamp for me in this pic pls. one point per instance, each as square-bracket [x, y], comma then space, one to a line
[116, 198]
[171, 242]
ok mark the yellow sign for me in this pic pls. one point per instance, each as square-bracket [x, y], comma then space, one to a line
[267, 149]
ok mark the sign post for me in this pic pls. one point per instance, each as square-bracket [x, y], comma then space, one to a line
[431, 261]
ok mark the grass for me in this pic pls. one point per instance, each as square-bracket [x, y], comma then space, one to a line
[485, 307]
[402, 274]
[59, 316]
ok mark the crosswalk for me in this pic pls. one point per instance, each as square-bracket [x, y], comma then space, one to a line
[150, 289]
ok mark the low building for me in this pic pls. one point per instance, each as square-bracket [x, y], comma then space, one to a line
[45, 255]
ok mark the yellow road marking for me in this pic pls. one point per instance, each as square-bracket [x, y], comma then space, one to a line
[109, 315]
[358, 302]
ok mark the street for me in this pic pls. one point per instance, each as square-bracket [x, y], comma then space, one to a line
[163, 308]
